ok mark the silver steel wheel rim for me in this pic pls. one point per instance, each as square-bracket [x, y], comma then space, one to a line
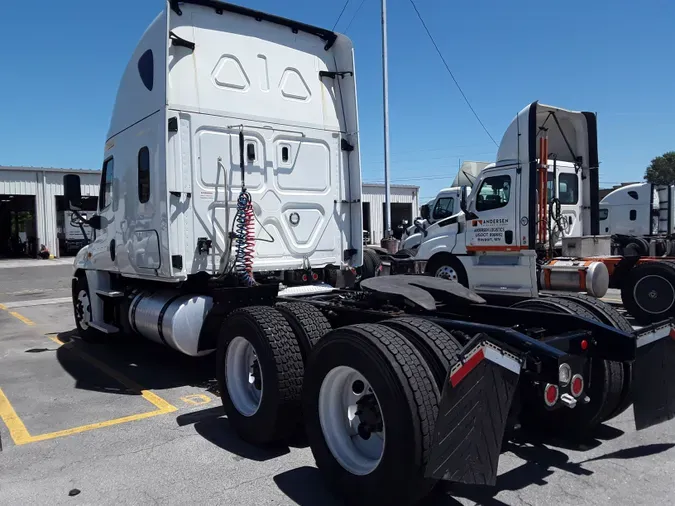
[243, 376]
[340, 423]
[83, 309]
[653, 294]
[447, 272]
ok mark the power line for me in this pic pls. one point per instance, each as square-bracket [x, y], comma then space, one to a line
[341, 13]
[450, 72]
[354, 15]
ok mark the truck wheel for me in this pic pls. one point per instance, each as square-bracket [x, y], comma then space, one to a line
[610, 316]
[308, 324]
[648, 292]
[82, 311]
[372, 264]
[448, 267]
[259, 372]
[605, 387]
[370, 404]
[436, 345]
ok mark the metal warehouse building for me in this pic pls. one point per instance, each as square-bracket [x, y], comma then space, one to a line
[404, 205]
[32, 207]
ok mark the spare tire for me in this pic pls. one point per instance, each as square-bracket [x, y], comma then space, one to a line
[372, 264]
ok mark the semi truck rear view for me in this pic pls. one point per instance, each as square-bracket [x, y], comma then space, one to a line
[231, 190]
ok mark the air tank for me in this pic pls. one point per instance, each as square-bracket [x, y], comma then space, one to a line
[172, 319]
[575, 276]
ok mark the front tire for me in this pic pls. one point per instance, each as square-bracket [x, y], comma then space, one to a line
[82, 311]
[259, 372]
[363, 382]
[449, 267]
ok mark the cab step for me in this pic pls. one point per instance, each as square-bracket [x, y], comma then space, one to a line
[106, 328]
[110, 294]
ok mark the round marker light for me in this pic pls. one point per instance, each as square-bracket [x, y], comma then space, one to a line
[315, 276]
[550, 395]
[564, 374]
[577, 385]
[304, 277]
[584, 344]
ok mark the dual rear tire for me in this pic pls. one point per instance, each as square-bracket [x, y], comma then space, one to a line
[368, 394]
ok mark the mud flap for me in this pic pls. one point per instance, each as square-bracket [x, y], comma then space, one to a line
[654, 376]
[472, 416]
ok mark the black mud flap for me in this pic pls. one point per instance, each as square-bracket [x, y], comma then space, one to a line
[472, 416]
[653, 387]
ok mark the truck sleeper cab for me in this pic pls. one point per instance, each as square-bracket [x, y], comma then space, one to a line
[232, 149]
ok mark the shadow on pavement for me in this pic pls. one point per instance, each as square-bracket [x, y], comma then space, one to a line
[213, 425]
[147, 365]
[634, 452]
[304, 486]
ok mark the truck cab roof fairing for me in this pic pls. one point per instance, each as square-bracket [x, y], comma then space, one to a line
[329, 36]
[572, 137]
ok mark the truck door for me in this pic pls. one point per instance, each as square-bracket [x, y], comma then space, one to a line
[496, 260]
[103, 246]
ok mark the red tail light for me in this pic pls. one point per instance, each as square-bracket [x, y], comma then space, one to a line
[304, 277]
[315, 276]
[551, 394]
[577, 386]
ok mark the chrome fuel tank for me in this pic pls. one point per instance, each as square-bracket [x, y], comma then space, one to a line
[172, 319]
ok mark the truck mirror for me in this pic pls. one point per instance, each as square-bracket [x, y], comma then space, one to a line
[95, 222]
[462, 198]
[72, 191]
[424, 211]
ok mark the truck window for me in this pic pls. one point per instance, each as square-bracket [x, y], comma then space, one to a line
[568, 189]
[144, 175]
[603, 214]
[105, 191]
[494, 193]
[443, 208]
[550, 185]
[146, 69]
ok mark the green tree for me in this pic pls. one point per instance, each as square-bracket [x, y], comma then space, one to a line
[662, 169]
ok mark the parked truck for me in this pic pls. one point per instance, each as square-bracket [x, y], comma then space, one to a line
[231, 178]
[75, 233]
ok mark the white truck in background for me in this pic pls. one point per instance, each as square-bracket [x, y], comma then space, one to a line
[444, 205]
[73, 238]
[641, 219]
[231, 183]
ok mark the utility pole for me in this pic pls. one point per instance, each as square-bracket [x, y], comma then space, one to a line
[385, 100]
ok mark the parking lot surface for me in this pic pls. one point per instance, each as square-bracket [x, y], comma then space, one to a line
[130, 422]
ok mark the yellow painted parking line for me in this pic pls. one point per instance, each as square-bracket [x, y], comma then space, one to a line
[196, 399]
[17, 315]
[21, 436]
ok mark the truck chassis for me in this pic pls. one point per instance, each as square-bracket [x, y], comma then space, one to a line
[409, 380]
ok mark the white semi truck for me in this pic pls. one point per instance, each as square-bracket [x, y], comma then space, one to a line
[231, 179]
[641, 219]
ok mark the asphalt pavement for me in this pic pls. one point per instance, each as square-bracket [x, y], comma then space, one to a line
[128, 422]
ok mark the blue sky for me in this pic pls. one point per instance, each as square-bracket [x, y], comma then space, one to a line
[62, 62]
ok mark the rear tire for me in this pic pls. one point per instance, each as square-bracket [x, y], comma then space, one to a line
[259, 372]
[607, 314]
[372, 264]
[438, 347]
[307, 322]
[648, 292]
[605, 387]
[406, 397]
